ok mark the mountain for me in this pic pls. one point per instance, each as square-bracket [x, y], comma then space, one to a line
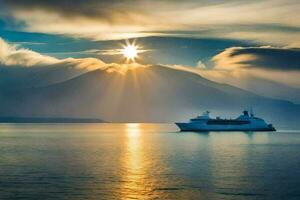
[266, 88]
[145, 94]
[24, 77]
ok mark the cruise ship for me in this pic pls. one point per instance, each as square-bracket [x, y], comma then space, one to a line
[244, 122]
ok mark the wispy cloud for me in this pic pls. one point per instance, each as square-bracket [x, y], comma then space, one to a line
[265, 57]
[30, 43]
[13, 56]
[269, 21]
[10, 55]
[113, 52]
[238, 65]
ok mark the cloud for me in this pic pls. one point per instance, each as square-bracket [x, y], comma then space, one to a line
[239, 65]
[270, 21]
[12, 56]
[267, 57]
[201, 65]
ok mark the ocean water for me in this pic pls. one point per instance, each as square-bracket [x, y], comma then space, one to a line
[145, 161]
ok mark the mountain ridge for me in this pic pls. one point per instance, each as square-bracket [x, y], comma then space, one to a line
[146, 94]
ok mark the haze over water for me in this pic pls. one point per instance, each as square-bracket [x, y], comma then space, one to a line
[145, 161]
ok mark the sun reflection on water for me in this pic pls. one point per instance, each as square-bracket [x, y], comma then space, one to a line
[133, 130]
[133, 149]
[135, 168]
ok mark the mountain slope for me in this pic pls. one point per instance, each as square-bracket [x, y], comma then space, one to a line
[153, 94]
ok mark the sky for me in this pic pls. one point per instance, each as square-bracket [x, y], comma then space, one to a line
[251, 44]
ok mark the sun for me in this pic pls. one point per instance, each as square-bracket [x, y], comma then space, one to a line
[130, 52]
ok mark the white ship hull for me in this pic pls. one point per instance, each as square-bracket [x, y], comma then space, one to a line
[205, 127]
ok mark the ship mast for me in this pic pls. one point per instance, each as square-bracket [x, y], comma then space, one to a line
[251, 112]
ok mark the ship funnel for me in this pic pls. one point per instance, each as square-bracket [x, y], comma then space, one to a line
[245, 112]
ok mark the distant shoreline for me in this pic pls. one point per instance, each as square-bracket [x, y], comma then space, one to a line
[49, 120]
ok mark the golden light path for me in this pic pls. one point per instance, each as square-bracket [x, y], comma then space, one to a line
[134, 176]
[137, 183]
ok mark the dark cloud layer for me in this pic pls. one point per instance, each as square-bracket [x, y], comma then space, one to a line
[108, 11]
[271, 58]
[275, 21]
[269, 71]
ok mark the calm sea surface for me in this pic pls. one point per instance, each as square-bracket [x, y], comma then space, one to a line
[145, 161]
